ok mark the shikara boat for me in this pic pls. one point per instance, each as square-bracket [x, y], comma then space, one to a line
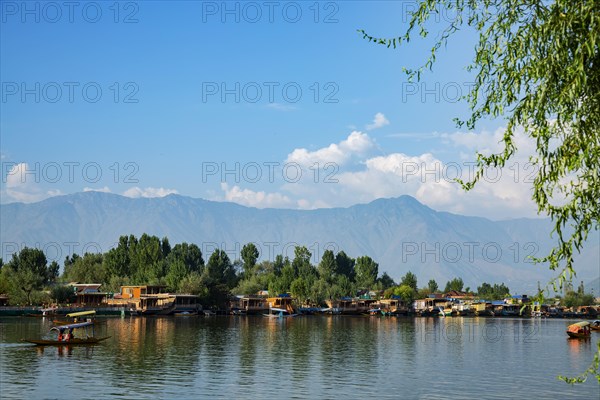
[186, 314]
[44, 312]
[65, 337]
[595, 326]
[72, 342]
[81, 316]
[579, 330]
[445, 312]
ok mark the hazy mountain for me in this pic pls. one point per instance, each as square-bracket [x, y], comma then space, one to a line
[401, 234]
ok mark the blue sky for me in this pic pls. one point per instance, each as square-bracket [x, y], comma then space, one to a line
[149, 98]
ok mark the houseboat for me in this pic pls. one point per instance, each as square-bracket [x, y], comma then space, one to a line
[351, 306]
[153, 300]
[281, 302]
[249, 305]
[393, 306]
[430, 306]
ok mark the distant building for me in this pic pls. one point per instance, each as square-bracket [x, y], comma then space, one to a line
[457, 294]
[153, 299]
[89, 294]
[137, 291]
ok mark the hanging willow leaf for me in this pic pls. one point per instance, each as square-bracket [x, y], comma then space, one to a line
[537, 66]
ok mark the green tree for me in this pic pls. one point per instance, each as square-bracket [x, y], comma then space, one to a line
[249, 254]
[193, 284]
[455, 284]
[281, 284]
[496, 292]
[28, 273]
[176, 274]
[115, 282]
[432, 286]
[321, 290]
[406, 293]
[577, 299]
[250, 285]
[343, 287]
[536, 66]
[219, 269]
[165, 247]
[386, 281]
[70, 260]
[86, 269]
[366, 272]
[189, 254]
[146, 258]
[345, 265]
[301, 262]
[63, 294]
[410, 280]
[116, 261]
[327, 266]
[279, 263]
[53, 272]
[300, 289]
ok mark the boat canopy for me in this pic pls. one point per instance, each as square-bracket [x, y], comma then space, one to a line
[278, 309]
[72, 326]
[580, 324]
[577, 326]
[81, 314]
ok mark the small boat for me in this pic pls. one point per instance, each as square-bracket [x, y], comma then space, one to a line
[72, 342]
[279, 313]
[595, 326]
[44, 312]
[579, 330]
[66, 338]
[81, 316]
[445, 312]
[186, 314]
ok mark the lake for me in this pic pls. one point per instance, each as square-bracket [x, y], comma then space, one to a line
[304, 357]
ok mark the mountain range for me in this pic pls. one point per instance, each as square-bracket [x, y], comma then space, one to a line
[401, 234]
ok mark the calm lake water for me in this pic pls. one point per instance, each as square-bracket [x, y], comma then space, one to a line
[304, 357]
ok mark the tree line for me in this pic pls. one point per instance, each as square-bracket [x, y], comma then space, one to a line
[28, 278]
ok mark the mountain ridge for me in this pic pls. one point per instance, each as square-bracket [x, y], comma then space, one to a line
[399, 233]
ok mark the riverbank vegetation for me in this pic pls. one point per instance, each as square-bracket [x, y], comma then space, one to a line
[28, 278]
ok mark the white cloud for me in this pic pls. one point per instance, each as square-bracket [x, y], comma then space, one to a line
[359, 176]
[260, 199]
[55, 192]
[491, 142]
[104, 189]
[378, 122]
[499, 194]
[23, 185]
[148, 192]
[357, 143]
[281, 107]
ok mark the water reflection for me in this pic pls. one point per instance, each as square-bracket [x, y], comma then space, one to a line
[319, 356]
